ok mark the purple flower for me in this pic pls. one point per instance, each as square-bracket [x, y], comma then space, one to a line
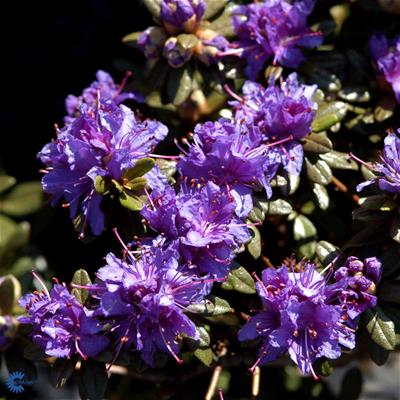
[388, 169]
[360, 279]
[8, 330]
[105, 142]
[301, 315]
[283, 115]
[232, 156]
[151, 42]
[176, 54]
[104, 87]
[178, 15]
[202, 223]
[273, 28]
[61, 325]
[387, 57]
[144, 298]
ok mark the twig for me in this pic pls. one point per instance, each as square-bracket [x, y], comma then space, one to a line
[213, 383]
[343, 188]
[255, 386]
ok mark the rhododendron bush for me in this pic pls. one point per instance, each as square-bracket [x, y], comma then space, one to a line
[241, 182]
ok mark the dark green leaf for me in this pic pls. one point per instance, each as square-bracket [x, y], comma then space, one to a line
[254, 246]
[10, 292]
[287, 184]
[378, 355]
[210, 306]
[25, 198]
[223, 25]
[213, 7]
[322, 196]
[6, 182]
[131, 201]
[187, 41]
[240, 280]
[153, 6]
[379, 202]
[395, 229]
[93, 380]
[358, 95]
[136, 184]
[131, 39]
[336, 159]
[351, 385]
[326, 252]
[317, 143]
[100, 184]
[206, 355]
[381, 328]
[167, 167]
[179, 85]
[276, 207]
[318, 172]
[81, 278]
[305, 234]
[329, 114]
[390, 291]
[142, 166]
[34, 353]
[62, 370]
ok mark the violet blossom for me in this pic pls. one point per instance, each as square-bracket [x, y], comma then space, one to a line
[61, 326]
[387, 58]
[283, 114]
[104, 141]
[274, 29]
[202, 223]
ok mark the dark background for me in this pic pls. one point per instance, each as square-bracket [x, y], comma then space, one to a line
[50, 50]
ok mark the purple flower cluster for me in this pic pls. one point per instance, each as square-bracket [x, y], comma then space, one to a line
[201, 224]
[102, 141]
[307, 317]
[62, 327]
[283, 114]
[388, 169]
[180, 36]
[230, 155]
[387, 58]
[273, 28]
[104, 88]
[144, 299]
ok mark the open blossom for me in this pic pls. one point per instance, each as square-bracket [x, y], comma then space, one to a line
[301, 315]
[388, 168]
[105, 142]
[274, 29]
[178, 15]
[104, 87]
[283, 114]
[232, 156]
[387, 58]
[202, 223]
[61, 326]
[145, 298]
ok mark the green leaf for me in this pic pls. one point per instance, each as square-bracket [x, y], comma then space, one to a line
[390, 292]
[93, 380]
[305, 234]
[378, 355]
[381, 328]
[239, 280]
[326, 252]
[25, 198]
[336, 159]
[287, 184]
[318, 172]
[223, 24]
[81, 278]
[211, 305]
[131, 201]
[33, 352]
[322, 196]
[62, 370]
[6, 182]
[136, 184]
[395, 229]
[167, 167]
[351, 385]
[257, 214]
[204, 336]
[318, 143]
[213, 7]
[254, 245]
[100, 184]
[329, 114]
[10, 292]
[206, 355]
[276, 207]
[379, 202]
[179, 85]
[154, 6]
[356, 94]
[131, 38]
[187, 41]
[141, 167]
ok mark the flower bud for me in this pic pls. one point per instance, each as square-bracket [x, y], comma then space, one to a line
[211, 45]
[178, 15]
[373, 268]
[179, 50]
[354, 265]
[151, 42]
